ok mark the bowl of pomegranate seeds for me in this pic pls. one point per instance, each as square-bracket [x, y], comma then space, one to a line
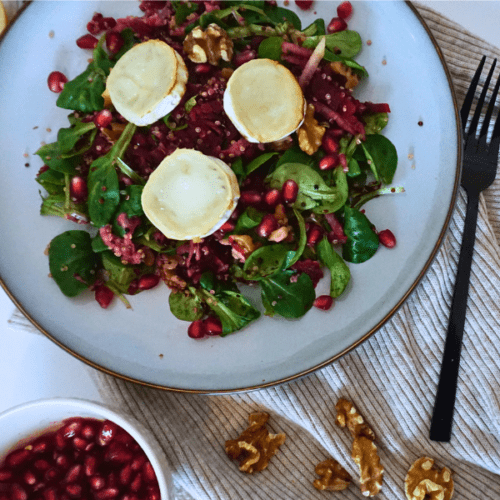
[221, 196]
[60, 449]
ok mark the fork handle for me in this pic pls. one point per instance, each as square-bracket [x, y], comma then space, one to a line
[442, 416]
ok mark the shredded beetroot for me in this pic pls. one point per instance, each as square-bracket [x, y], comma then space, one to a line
[311, 268]
[336, 235]
[312, 64]
[123, 247]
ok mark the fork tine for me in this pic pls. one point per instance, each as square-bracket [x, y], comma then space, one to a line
[487, 118]
[480, 102]
[466, 106]
[495, 138]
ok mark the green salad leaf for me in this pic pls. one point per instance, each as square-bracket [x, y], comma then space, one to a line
[286, 297]
[104, 196]
[340, 274]
[72, 262]
[186, 306]
[362, 241]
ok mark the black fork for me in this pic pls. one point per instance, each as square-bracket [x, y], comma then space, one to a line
[478, 172]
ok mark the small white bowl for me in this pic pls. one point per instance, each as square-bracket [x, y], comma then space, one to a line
[29, 420]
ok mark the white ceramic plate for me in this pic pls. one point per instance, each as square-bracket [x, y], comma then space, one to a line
[405, 70]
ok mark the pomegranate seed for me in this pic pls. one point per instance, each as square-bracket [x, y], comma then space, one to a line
[148, 281]
[328, 162]
[74, 490]
[344, 10]
[62, 461]
[133, 287]
[73, 473]
[107, 494]
[336, 24]
[103, 296]
[87, 42]
[138, 462]
[43, 169]
[56, 81]
[41, 465]
[112, 480]
[212, 326]
[272, 197]
[323, 302]
[330, 144]
[108, 23]
[17, 458]
[196, 329]
[228, 226]
[78, 189]
[153, 493]
[250, 197]
[304, 4]
[107, 432]
[103, 119]
[79, 443]
[118, 453]
[202, 68]
[267, 226]
[114, 41]
[29, 478]
[97, 483]
[149, 473]
[88, 432]
[89, 465]
[135, 485]
[289, 191]
[50, 494]
[5, 475]
[17, 492]
[94, 28]
[387, 238]
[314, 235]
[97, 17]
[51, 474]
[125, 475]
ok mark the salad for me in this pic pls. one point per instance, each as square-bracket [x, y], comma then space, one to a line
[298, 211]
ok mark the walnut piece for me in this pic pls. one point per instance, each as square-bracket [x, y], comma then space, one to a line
[424, 481]
[310, 134]
[333, 476]
[209, 45]
[348, 416]
[352, 79]
[371, 473]
[364, 450]
[255, 446]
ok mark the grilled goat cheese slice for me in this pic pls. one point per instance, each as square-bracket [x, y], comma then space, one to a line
[190, 195]
[264, 101]
[147, 82]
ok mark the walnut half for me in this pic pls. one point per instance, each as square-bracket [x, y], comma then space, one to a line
[255, 446]
[425, 481]
[332, 476]
[211, 44]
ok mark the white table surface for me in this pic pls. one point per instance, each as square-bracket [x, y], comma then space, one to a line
[32, 367]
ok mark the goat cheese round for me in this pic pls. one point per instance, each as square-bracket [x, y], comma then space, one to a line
[147, 82]
[264, 101]
[190, 195]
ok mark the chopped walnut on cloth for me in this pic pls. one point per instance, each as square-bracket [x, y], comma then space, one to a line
[332, 476]
[364, 450]
[426, 482]
[255, 446]
[211, 44]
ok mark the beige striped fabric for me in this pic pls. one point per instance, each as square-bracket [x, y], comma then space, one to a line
[391, 378]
